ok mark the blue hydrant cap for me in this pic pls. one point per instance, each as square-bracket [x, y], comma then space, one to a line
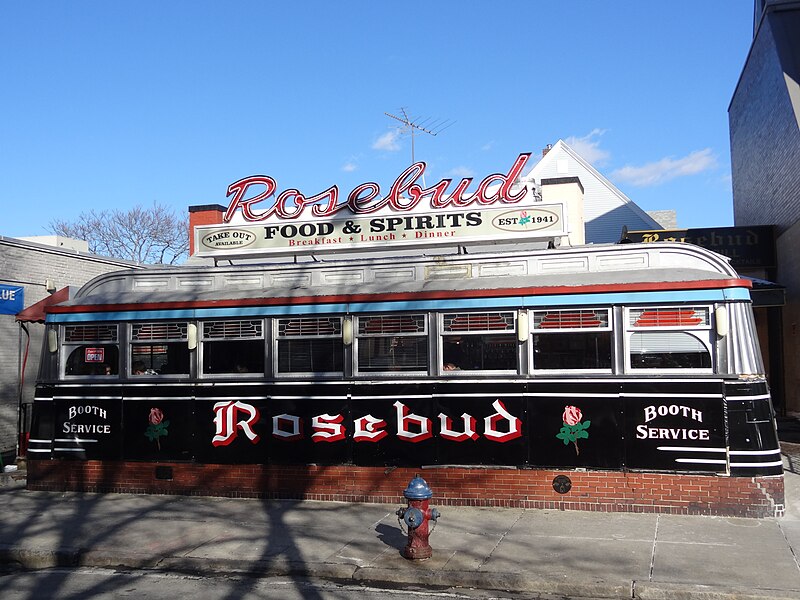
[418, 489]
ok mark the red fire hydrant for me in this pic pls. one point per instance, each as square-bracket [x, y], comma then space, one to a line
[417, 517]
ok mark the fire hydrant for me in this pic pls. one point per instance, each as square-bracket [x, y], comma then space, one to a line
[417, 517]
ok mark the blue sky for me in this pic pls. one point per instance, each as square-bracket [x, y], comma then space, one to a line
[114, 104]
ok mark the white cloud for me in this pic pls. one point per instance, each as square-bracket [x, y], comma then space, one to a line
[388, 141]
[588, 147]
[349, 167]
[461, 172]
[661, 171]
[488, 146]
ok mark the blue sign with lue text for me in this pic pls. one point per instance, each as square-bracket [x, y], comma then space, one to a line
[10, 299]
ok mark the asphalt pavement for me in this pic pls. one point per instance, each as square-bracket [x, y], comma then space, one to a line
[572, 553]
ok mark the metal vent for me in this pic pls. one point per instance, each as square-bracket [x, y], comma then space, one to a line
[668, 317]
[310, 327]
[468, 322]
[222, 330]
[570, 319]
[90, 333]
[159, 331]
[391, 324]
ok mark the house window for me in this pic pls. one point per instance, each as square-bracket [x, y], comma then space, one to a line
[233, 347]
[571, 339]
[91, 350]
[310, 345]
[392, 343]
[484, 341]
[669, 338]
[159, 349]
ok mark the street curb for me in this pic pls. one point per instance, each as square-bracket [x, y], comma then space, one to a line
[674, 591]
[37, 559]
[259, 568]
[509, 582]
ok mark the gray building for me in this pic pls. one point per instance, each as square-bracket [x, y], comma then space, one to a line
[764, 119]
[39, 270]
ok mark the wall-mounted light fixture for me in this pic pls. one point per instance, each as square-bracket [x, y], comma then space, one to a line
[522, 325]
[347, 331]
[721, 318]
[191, 335]
[52, 340]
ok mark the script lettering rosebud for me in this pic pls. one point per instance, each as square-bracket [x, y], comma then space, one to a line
[404, 195]
[405, 419]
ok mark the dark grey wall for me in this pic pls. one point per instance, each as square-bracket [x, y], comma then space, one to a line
[765, 137]
[28, 265]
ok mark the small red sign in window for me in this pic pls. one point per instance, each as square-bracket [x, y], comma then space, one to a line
[95, 355]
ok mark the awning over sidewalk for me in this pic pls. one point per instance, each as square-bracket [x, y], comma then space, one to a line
[767, 293]
[35, 313]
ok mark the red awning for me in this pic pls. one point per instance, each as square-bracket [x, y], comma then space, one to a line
[35, 312]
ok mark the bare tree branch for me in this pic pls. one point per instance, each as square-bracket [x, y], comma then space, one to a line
[144, 235]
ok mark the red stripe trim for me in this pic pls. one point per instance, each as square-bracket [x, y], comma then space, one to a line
[602, 288]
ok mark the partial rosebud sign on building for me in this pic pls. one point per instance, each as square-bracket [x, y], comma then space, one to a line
[11, 299]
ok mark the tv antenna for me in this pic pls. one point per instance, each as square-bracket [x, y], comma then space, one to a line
[411, 124]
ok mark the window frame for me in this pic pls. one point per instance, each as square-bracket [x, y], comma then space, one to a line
[704, 333]
[442, 333]
[425, 335]
[68, 347]
[203, 342]
[277, 337]
[534, 330]
[131, 343]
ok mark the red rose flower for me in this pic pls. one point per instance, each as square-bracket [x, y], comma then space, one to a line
[156, 416]
[572, 415]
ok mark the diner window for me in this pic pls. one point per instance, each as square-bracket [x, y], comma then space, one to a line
[392, 343]
[233, 347]
[669, 338]
[159, 349]
[483, 341]
[571, 339]
[91, 350]
[310, 345]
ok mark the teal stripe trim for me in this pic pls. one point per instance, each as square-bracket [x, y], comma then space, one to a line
[626, 298]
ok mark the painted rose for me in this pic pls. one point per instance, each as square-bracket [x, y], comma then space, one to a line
[156, 416]
[572, 415]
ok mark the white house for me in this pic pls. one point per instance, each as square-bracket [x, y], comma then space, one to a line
[605, 209]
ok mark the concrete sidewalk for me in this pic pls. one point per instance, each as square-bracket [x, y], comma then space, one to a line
[577, 554]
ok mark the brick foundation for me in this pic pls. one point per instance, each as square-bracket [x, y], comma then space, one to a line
[607, 491]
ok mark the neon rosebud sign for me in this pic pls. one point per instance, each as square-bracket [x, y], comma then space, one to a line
[573, 429]
[404, 195]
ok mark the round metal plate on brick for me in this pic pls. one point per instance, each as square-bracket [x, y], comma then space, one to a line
[562, 484]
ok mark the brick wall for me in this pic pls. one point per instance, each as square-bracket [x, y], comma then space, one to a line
[206, 214]
[607, 491]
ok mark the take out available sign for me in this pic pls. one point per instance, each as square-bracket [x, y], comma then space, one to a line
[258, 222]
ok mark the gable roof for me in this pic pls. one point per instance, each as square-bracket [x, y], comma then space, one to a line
[606, 208]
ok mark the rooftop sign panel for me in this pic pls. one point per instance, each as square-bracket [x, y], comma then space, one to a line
[747, 247]
[257, 222]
